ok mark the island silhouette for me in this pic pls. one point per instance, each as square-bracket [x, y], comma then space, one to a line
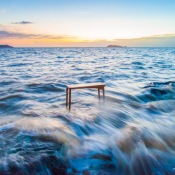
[116, 46]
[5, 46]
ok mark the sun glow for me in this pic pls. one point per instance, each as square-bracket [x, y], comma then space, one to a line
[85, 23]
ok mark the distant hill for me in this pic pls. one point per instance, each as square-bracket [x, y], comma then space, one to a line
[115, 46]
[5, 46]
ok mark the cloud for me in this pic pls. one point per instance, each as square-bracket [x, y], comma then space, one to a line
[163, 35]
[9, 34]
[164, 40]
[23, 22]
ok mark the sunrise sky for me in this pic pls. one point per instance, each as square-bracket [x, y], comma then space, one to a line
[87, 23]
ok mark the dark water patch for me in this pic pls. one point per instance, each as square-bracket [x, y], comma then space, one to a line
[3, 105]
[50, 164]
[158, 63]
[161, 91]
[23, 51]
[18, 64]
[43, 88]
[66, 56]
[139, 67]
[167, 66]
[137, 63]
[158, 92]
[147, 55]
[31, 156]
[10, 104]
[10, 109]
[99, 79]
[160, 84]
[80, 128]
[155, 94]
[7, 82]
[13, 97]
[104, 58]
[124, 68]
[146, 97]
[91, 161]
[60, 57]
[86, 78]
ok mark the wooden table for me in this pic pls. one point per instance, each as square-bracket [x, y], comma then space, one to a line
[69, 88]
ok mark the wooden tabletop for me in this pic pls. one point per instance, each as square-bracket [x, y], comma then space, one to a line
[88, 85]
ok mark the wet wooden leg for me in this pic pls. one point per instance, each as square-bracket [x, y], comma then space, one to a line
[98, 93]
[103, 93]
[69, 98]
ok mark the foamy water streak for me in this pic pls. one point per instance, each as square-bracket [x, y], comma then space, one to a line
[131, 132]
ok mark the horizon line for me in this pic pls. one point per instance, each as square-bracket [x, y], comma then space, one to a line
[122, 47]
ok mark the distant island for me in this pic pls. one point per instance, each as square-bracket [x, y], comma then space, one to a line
[5, 46]
[116, 46]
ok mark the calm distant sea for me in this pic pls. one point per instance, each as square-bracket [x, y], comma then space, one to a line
[131, 132]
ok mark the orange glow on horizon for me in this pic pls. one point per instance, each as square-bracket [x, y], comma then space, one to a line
[66, 41]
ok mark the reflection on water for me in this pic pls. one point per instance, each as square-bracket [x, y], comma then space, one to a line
[131, 132]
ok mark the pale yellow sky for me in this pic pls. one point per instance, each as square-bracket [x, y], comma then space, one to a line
[87, 23]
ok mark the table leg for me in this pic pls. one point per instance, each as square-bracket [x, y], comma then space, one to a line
[69, 98]
[98, 93]
[103, 92]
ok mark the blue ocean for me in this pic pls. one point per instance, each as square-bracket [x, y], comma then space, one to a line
[130, 132]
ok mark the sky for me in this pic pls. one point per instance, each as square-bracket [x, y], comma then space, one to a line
[87, 23]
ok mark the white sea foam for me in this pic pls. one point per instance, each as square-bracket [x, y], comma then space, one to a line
[130, 132]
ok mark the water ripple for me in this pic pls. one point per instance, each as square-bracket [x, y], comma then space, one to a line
[129, 133]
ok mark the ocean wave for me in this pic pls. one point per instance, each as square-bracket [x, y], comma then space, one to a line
[43, 88]
[129, 132]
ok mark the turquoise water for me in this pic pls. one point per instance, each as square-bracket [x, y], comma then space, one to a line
[131, 132]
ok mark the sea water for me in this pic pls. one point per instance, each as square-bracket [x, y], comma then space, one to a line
[130, 132]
